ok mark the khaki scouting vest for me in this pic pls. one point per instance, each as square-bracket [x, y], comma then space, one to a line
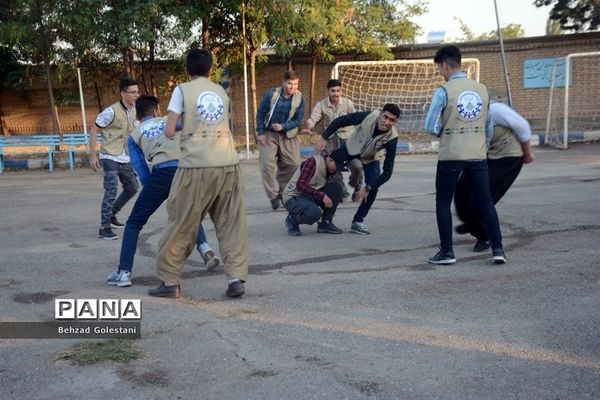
[329, 114]
[362, 141]
[296, 100]
[157, 148]
[504, 144]
[115, 134]
[317, 181]
[464, 120]
[206, 139]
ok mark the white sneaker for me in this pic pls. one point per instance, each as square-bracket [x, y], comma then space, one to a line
[120, 279]
[360, 228]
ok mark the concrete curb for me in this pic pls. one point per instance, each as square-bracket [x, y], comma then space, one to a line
[305, 151]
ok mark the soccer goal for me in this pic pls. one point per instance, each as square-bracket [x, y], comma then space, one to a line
[574, 100]
[407, 83]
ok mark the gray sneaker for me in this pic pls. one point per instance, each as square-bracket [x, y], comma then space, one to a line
[360, 228]
[235, 289]
[442, 258]
[211, 260]
[114, 223]
[107, 233]
[119, 278]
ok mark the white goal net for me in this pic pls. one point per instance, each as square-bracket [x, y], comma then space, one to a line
[574, 100]
[407, 83]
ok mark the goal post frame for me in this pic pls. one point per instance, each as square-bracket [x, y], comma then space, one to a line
[567, 85]
[408, 83]
[335, 69]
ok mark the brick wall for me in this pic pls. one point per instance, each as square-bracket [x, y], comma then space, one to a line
[27, 116]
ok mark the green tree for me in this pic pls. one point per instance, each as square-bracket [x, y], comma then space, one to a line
[510, 31]
[256, 37]
[574, 15]
[380, 24]
[313, 27]
[553, 27]
[322, 28]
[12, 75]
[31, 29]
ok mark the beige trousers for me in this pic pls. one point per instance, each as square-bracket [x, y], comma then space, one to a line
[279, 158]
[195, 192]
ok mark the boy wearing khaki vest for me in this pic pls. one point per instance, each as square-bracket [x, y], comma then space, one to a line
[115, 123]
[459, 116]
[509, 150]
[147, 144]
[208, 181]
[277, 120]
[309, 196]
[325, 111]
[374, 138]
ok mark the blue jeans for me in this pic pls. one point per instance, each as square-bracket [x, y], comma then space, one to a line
[307, 210]
[372, 171]
[476, 173]
[151, 197]
[113, 173]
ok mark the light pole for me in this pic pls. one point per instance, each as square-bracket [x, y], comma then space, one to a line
[503, 56]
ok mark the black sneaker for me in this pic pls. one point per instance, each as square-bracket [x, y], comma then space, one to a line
[481, 245]
[114, 223]
[163, 290]
[328, 227]
[292, 228]
[107, 233]
[498, 256]
[235, 289]
[442, 258]
[275, 203]
[462, 229]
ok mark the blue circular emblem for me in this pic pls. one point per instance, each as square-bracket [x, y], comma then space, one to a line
[153, 128]
[469, 105]
[210, 107]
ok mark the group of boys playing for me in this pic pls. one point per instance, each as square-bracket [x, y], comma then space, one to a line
[195, 167]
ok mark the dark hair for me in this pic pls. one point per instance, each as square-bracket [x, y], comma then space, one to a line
[393, 109]
[448, 54]
[290, 74]
[125, 83]
[198, 62]
[145, 105]
[333, 83]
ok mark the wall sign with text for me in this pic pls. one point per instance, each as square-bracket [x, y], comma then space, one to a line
[537, 73]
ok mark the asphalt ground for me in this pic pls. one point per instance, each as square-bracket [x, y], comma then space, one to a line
[324, 316]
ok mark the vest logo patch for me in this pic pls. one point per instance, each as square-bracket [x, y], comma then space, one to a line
[153, 129]
[469, 105]
[210, 106]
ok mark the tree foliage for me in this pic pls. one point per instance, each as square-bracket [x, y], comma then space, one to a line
[117, 37]
[380, 24]
[510, 31]
[574, 15]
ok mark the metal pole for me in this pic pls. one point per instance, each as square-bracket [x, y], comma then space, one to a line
[81, 101]
[549, 114]
[566, 111]
[503, 56]
[245, 83]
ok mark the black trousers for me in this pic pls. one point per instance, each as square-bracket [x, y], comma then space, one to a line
[502, 173]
